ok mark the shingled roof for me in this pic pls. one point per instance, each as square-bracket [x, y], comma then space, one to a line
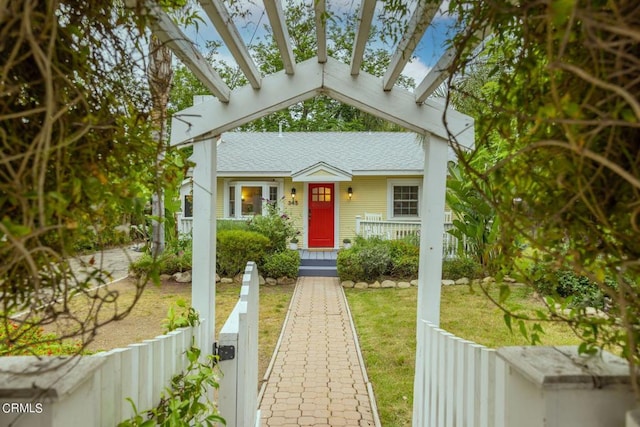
[283, 154]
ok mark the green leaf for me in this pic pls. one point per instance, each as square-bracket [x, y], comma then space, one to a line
[507, 321]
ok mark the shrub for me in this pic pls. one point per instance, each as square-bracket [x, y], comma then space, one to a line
[375, 260]
[231, 224]
[349, 267]
[177, 257]
[276, 226]
[236, 247]
[405, 266]
[285, 263]
[566, 283]
[461, 267]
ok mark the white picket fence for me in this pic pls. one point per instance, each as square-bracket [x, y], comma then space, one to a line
[145, 370]
[238, 395]
[463, 382]
[94, 389]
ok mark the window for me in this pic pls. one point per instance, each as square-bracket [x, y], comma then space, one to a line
[232, 201]
[248, 198]
[321, 194]
[404, 198]
[273, 194]
[251, 200]
[188, 206]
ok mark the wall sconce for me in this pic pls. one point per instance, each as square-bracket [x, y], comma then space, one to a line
[293, 200]
[350, 192]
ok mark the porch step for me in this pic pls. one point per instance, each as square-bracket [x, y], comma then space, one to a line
[318, 271]
[318, 263]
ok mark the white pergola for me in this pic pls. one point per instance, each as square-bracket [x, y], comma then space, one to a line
[298, 81]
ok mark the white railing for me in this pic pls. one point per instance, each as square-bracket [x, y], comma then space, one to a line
[238, 394]
[185, 224]
[395, 230]
[93, 389]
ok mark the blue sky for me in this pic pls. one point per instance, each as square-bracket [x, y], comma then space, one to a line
[252, 28]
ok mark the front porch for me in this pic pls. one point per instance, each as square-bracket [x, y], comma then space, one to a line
[365, 227]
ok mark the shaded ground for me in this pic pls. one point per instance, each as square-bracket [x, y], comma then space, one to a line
[146, 319]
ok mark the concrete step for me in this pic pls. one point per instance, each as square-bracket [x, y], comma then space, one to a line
[318, 271]
[318, 262]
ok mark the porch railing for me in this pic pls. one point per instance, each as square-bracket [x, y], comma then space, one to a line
[395, 230]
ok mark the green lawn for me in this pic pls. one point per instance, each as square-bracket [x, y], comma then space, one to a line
[386, 320]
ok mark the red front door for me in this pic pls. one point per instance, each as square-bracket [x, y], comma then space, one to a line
[321, 221]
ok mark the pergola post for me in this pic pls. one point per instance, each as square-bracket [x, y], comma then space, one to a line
[203, 288]
[434, 187]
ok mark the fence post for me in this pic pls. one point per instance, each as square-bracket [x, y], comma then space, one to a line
[358, 219]
[556, 386]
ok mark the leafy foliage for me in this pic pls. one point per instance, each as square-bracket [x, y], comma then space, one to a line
[370, 259]
[237, 247]
[284, 263]
[555, 95]
[187, 401]
[18, 341]
[475, 224]
[275, 225]
[461, 267]
[76, 145]
[177, 257]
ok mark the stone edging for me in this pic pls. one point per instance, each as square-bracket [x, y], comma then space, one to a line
[387, 284]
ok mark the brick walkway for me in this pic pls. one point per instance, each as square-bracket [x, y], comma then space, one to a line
[317, 377]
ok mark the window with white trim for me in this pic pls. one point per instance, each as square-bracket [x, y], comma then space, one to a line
[404, 198]
[248, 198]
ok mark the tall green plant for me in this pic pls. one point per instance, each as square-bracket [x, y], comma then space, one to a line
[475, 224]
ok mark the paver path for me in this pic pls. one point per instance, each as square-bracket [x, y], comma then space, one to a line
[317, 378]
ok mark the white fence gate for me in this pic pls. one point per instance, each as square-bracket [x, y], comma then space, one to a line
[238, 401]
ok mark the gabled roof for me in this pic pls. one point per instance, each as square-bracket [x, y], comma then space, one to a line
[288, 153]
[321, 171]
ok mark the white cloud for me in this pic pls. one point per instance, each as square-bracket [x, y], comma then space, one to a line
[416, 69]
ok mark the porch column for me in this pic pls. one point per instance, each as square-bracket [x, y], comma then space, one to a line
[203, 287]
[434, 186]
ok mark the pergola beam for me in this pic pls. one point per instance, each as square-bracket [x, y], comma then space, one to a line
[171, 35]
[279, 91]
[416, 27]
[217, 13]
[312, 78]
[321, 29]
[397, 106]
[280, 33]
[435, 77]
[367, 9]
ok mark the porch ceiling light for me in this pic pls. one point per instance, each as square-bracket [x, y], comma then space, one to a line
[350, 192]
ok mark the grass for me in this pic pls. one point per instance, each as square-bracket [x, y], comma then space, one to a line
[386, 323]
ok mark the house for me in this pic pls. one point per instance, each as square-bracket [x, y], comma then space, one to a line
[334, 185]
